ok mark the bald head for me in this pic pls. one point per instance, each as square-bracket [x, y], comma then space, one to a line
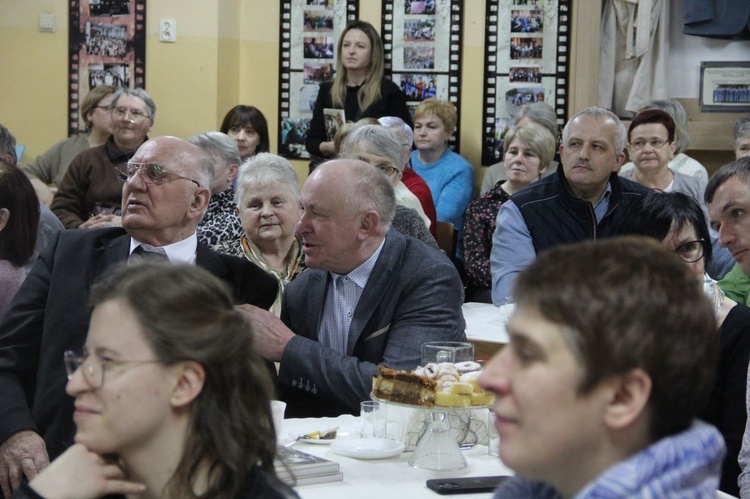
[168, 211]
[347, 209]
[361, 186]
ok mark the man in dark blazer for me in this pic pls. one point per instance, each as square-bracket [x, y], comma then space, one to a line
[161, 207]
[370, 296]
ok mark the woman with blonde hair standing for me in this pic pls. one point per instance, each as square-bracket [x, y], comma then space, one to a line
[358, 87]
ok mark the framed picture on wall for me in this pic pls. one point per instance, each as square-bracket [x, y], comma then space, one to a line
[309, 32]
[107, 47]
[526, 61]
[422, 43]
[725, 87]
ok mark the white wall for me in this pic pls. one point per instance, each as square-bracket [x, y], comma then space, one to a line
[687, 52]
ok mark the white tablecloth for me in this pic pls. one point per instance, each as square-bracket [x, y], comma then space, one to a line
[486, 322]
[390, 478]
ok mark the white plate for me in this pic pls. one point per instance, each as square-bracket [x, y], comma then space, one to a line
[367, 448]
[318, 441]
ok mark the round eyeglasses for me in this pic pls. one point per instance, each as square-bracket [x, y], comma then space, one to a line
[691, 251]
[93, 368]
[151, 173]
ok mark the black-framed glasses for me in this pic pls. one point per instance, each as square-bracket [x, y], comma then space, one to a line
[639, 144]
[151, 173]
[93, 368]
[691, 251]
[136, 116]
[387, 170]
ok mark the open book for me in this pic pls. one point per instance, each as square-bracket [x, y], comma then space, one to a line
[300, 468]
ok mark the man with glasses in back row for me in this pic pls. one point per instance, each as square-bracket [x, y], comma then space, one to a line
[89, 193]
[167, 186]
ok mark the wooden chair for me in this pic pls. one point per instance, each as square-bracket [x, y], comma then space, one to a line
[447, 238]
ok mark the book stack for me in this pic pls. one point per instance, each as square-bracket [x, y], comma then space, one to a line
[300, 468]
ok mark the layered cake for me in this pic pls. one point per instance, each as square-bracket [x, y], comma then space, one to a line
[444, 385]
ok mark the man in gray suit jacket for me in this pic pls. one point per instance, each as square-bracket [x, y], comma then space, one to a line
[164, 197]
[370, 296]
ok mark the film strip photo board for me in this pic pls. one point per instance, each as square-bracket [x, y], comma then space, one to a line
[422, 42]
[526, 61]
[308, 36]
[107, 46]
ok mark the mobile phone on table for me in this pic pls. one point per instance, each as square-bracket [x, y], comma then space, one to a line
[465, 485]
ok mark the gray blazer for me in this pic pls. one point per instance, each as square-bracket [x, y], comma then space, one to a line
[414, 295]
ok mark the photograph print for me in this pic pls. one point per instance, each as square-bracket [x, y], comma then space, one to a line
[320, 47]
[318, 72]
[421, 30]
[317, 20]
[418, 87]
[109, 8]
[106, 40]
[415, 7]
[526, 48]
[526, 21]
[419, 57]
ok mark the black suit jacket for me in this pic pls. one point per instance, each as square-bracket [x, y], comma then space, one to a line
[50, 315]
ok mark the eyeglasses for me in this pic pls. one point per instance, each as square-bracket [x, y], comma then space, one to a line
[639, 144]
[136, 116]
[93, 368]
[387, 170]
[151, 173]
[102, 107]
[691, 251]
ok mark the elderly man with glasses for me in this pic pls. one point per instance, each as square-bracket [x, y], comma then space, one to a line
[167, 186]
[89, 194]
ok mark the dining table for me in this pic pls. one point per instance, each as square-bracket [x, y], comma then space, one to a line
[485, 327]
[387, 478]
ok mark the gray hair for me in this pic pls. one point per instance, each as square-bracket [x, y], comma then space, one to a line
[264, 169]
[375, 139]
[135, 92]
[598, 113]
[674, 109]
[370, 190]
[396, 123]
[741, 129]
[541, 113]
[8, 144]
[536, 137]
[218, 146]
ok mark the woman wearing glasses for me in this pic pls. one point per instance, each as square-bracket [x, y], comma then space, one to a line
[381, 148]
[171, 397]
[90, 193]
[678, 222]
[50, 166]
[651, 146]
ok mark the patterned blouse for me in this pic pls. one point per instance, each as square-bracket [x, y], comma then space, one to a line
[479, 227]
[243, 247]
[221, 223]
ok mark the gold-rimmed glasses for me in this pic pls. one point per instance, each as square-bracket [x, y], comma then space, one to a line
[151, 173]
[136, 116]
[93, 368]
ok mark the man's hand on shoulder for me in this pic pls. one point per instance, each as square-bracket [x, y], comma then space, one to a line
[271, 335]
[23, 453]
